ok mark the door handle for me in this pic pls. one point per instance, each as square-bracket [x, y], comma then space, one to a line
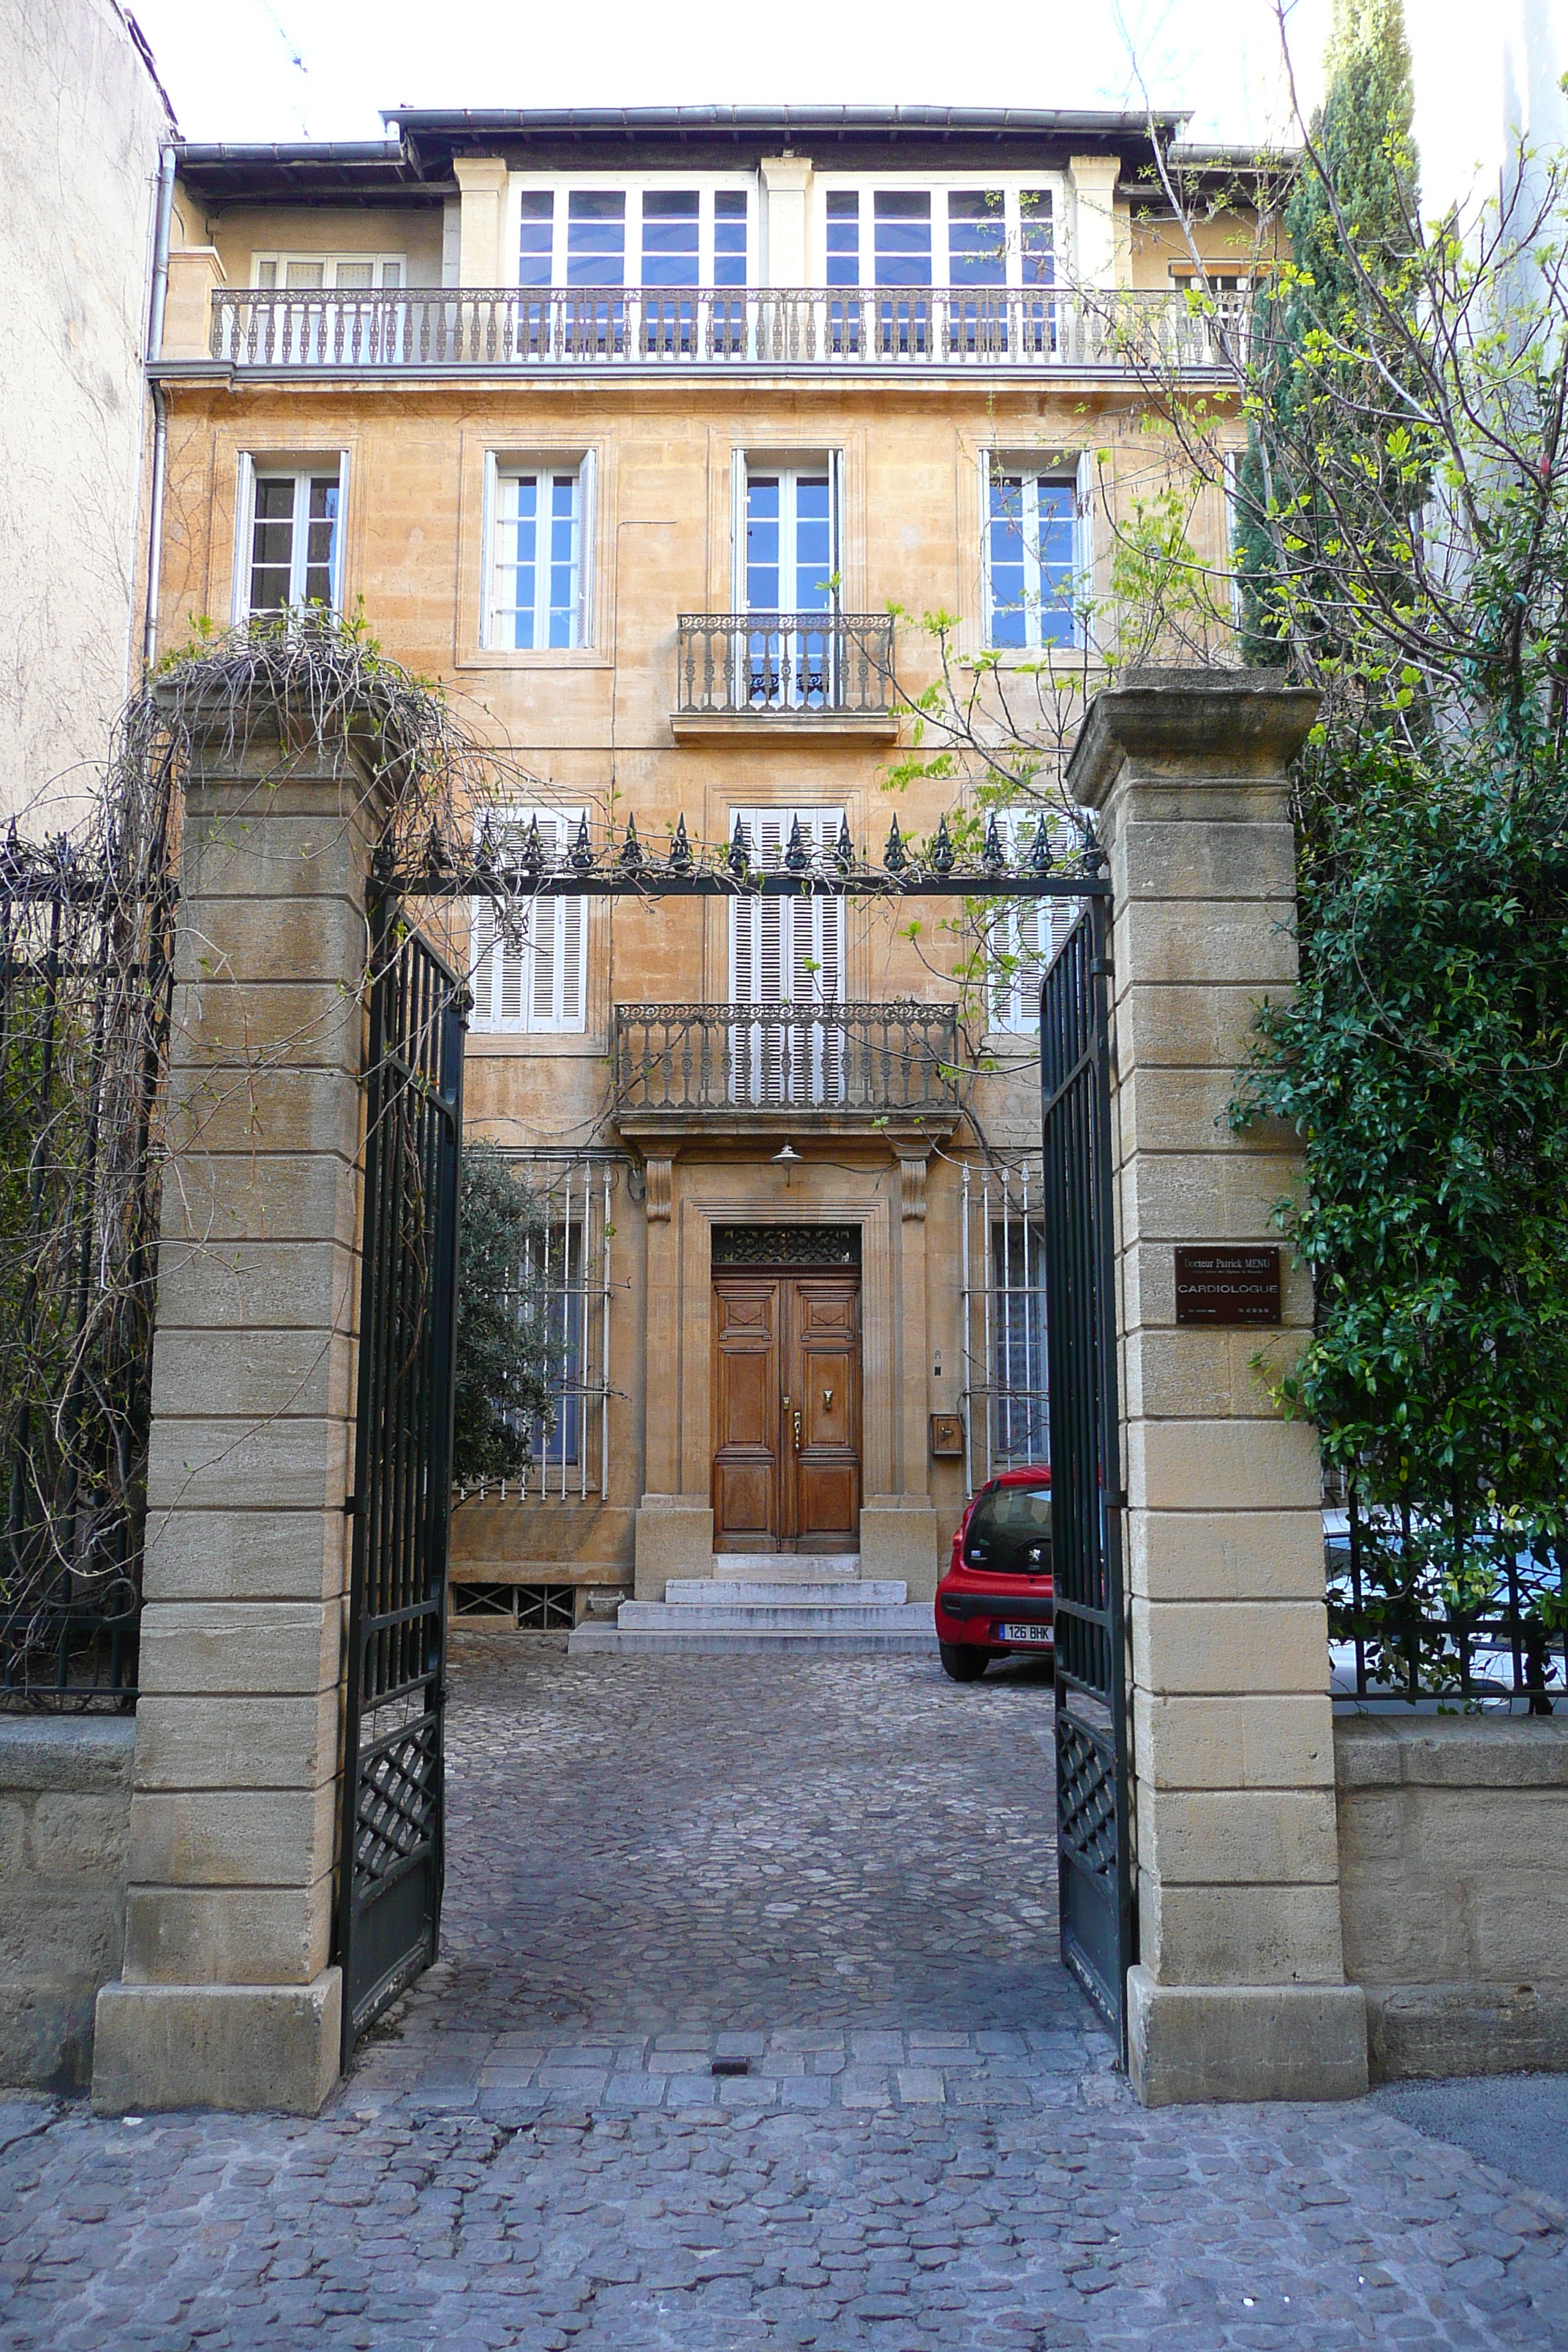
[797, 1432]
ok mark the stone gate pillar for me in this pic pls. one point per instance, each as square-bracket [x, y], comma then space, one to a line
[1241, 1992]
[228, 1997]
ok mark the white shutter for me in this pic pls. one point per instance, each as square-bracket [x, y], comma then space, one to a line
[571, 945]
[587, 473]
[1083, 538]
[244, 531]
[340, 536]
[532, 975]
[738, 532]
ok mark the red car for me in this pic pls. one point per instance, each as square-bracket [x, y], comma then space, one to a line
[999, 1598]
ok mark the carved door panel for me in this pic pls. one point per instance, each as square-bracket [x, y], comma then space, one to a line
[746, 1407]
[822, 1497]
[786, 1412]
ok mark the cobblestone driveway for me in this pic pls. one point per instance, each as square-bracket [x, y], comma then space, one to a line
[840, 1872]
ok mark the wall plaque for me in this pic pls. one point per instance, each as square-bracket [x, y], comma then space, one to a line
[1221, 1284]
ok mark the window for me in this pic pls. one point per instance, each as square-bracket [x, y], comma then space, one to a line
[654, 234]
[791, 552]
[538, 566]
[903, 237]
[787, 951]
[1019, 935]
[291, 538]
[1003, 1397]
[1022, 1431]
[976, 237]
[670, 236]
[307, 271]
[1033, 560]
[979, 236]
[530, 967]
[596, 237]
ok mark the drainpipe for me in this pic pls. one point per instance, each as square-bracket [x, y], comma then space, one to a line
[160, 405]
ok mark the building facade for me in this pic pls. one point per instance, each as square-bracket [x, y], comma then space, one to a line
[632, 429]
[85, 122]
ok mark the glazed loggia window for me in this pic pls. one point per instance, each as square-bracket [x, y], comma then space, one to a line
[951, 236]
[633, 236]
[1032, 562]
[304, 272]
[293, 542]
[538, 570]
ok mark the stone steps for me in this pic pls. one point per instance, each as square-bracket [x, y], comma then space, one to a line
[766, 1601]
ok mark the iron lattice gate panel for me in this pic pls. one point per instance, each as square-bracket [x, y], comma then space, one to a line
[391, 1852]
[1094, 1860]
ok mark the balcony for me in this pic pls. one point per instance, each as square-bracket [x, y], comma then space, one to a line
[748, 1068]
[1082, 330]
[750, 674]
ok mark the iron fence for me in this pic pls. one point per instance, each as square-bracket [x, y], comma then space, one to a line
[85, 995]
[1438, 1606]
[875, 1058]
[1100, 330]
[774, 662]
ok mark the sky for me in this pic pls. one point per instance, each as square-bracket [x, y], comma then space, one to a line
[287, 69]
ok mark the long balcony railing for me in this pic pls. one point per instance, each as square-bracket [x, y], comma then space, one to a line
[880, 326]
[873, 1059]
[775, 663]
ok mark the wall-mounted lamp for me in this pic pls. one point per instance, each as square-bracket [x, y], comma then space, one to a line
[786, 1156]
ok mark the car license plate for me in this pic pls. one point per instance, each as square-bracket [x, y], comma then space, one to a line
[1044, 1634]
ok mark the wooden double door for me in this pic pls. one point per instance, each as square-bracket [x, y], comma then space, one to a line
[787, 1411]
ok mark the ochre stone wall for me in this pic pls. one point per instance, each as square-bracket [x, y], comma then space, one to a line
[65, 1819]
[1451, 1831]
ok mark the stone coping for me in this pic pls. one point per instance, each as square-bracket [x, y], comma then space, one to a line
[48, 1752]
[1465, 1751]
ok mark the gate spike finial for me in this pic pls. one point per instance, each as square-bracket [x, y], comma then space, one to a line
[630, 858]
[994, 854]
[582, 848]
[680, 848]
[844, 852]
[798, 857]
[532, 852]
[1093, 855]
[894, 857]
[487, 841]
[738, 858]
[435, 858]
[941, 848]
[1040, 848]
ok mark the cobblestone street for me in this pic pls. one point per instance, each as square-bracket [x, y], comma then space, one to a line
[840, 1872]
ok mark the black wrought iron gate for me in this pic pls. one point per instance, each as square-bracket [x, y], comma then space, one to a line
[391, 1851]
[1093, 1838]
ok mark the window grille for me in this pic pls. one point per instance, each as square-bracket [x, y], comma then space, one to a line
[1004, 1400]
[569, 1265]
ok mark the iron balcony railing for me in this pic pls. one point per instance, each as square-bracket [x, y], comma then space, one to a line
[550, 326]
[875, 1058]
[775, 662]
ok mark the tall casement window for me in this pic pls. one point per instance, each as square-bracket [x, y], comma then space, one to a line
[939, 235]
[1036, 564]
[288, 538]
[786, 562]
[648, 234]
[537, 565]
[790, 543]
[531, 967]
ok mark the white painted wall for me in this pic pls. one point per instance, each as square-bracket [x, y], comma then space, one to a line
[80, 127]
[1485, 78]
